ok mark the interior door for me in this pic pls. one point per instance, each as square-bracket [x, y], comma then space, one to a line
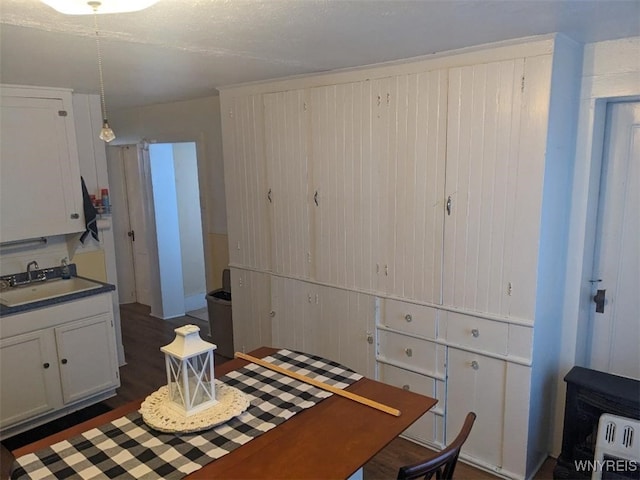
[122, 231]
[615, 328]
[130, 229]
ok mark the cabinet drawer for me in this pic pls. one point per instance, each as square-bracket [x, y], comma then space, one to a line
[410, 318]
[477, 333]
[414, 382]
[412, 353]
[429, 428]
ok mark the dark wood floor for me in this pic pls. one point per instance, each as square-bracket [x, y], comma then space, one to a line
[143, 335]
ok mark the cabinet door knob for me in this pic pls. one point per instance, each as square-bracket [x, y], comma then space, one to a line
[475, 365]
[75, 216]
[369, 339]
[45, 365]
[406, 387]
[272, 314]
[408, 317]
[64, 361]
[475, 333]
[409, 352]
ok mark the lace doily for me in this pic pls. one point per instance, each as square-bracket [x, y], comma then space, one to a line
[158, 415]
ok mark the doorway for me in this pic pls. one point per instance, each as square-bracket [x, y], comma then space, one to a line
[614, 326]
[159, 234]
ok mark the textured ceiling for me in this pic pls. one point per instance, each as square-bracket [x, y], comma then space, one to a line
[184, 49]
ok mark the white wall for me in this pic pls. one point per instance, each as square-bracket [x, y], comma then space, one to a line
[188, 121]
[611, 70]
[187, 197]
[168, 232]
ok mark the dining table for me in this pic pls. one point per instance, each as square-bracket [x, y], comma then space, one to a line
[333, 439]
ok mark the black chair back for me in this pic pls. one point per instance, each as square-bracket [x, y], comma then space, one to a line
[444, 463]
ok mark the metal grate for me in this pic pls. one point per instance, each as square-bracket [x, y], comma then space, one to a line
[616, 450]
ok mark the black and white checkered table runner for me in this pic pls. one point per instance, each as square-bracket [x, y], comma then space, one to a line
[128, 448]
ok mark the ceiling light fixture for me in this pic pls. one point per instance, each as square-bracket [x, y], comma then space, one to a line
[82, 7]
[106, 133]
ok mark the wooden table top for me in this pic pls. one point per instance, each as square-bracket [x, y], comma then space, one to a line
[333, 439]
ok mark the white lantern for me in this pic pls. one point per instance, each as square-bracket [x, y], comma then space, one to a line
[190, 380]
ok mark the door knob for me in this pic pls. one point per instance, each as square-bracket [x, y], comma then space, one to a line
[599, 300]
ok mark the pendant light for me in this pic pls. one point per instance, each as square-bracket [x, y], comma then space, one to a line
[82, 7]
[106, 133]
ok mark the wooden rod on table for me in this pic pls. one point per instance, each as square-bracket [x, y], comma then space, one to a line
[316, 383]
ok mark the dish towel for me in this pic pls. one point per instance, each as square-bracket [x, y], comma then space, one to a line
[90, 215]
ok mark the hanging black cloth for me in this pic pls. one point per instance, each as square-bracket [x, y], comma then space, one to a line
[90, 215]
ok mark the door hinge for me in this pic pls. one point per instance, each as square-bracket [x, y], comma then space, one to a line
[62, 113]
[230, 113]
[522, 84]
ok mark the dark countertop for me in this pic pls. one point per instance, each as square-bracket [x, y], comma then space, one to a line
[52, 274]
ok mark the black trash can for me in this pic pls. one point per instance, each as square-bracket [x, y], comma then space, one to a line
[220, 318]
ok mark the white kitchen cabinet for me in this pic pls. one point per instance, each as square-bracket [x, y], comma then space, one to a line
[86, 363]
[245, 175]
[443, 189]
[378, 152]
[329, 322]
[56, 359]
[285, 132]
[30, 377]
[344, 242]
[476, 383]
[429, 429]
[409, 357]
[40, 189]
[251, 309]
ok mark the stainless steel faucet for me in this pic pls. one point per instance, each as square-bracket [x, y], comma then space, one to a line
[33, 264]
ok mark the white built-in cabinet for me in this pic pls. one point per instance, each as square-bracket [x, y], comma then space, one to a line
[40, 193]
[409, 221]
[54, 360]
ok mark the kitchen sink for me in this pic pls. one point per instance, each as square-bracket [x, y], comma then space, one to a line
[35, 292]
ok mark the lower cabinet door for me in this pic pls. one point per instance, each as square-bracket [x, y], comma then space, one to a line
[29, 383]
[86, 357]
[477, 383]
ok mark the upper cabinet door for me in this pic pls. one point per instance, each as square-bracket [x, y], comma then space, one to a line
[40, 190]
[285, 124]
[418, 164]
[482, 177]
[343, 186]
[246, 185]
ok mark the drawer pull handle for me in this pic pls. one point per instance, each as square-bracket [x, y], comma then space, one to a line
[475, 333]
[408, 317]
[409, 352]
[46, 365]
[475, 365]
[406, 387]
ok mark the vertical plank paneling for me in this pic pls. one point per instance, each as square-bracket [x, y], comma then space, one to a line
[287, 159]
[481, 178]
[365, 248]
[420, 161]
[248, 225]
[251, 306]
[529, 184]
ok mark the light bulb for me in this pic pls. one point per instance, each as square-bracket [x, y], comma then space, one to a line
[106, 133]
